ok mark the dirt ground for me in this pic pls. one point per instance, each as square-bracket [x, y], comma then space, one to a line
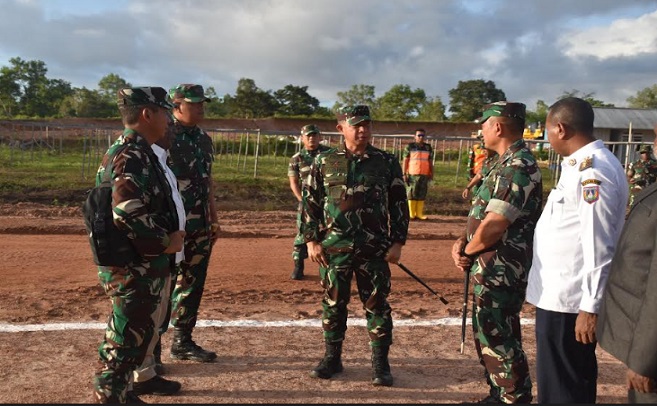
[49, 277]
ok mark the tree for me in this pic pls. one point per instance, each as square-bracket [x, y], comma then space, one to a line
[110, 84]
[358, 94]
[587, 96]
[539, 115]
[432, 109]
[295, 101]
[10, 92]
[251, 101]
[400, 103]
[88, 103]
[469, 97]
[644, 99]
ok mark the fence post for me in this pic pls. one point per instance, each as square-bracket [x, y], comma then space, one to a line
[257, 151]
[458, 163]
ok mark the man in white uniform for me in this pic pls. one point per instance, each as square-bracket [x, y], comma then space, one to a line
[574, 243]
[147, 379]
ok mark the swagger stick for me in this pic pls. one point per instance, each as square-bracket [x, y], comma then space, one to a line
[408, 271]
[466, 287]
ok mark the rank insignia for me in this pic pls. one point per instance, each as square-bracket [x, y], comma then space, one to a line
[591, 193]
[586, 163]
[572, 161]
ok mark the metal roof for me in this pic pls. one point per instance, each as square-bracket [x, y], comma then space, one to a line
[617, 117]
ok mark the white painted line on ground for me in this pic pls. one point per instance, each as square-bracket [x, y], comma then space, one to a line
[448, 321]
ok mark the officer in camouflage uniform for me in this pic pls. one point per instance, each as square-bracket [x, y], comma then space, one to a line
[190, 158]
[297, 172]
[143, 206]
[355, 221]
[418, 172]
[499, 238]
[641, 173]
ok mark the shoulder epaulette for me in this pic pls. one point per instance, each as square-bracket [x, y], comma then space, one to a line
[586, 163]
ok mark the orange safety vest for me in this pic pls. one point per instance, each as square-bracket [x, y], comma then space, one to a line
[480, 155]
[419, 163]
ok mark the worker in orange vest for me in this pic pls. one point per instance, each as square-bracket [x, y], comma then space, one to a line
[418, 171]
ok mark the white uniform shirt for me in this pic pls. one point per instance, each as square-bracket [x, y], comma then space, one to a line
[576, 235]
[161, 154]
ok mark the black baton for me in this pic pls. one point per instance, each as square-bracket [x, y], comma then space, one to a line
[466, 286]
[408, 271]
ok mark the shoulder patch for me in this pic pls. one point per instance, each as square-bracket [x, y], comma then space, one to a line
[586, 163]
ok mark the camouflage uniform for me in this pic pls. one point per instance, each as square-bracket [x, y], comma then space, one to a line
[644, 173]
[512, 188]
[418, 185]
[190, 158]
[142, 202]
[356, 207]
[300, 167]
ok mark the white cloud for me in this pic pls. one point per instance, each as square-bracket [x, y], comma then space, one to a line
[622, 38]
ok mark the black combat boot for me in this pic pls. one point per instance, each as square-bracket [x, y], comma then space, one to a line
[381, 375]
[331, 364]
[157, 356]
[184, 347]
[297, 274]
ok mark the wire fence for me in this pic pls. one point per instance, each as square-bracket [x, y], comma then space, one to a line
[242, 150]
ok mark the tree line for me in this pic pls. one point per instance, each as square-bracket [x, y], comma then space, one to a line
[27, 92]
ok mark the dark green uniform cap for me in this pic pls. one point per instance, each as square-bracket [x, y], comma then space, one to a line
[645, 149]
[309, 129]
[141, 96]
[354, 114]
[188, 92]
[502, 109]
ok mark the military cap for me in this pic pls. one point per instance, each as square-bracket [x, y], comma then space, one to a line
[353, 114]
[309, 129]
[645, 149]
[188, 92]
[502, 109]
[141, 96]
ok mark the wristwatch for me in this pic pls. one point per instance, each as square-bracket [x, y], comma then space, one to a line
[463, 254]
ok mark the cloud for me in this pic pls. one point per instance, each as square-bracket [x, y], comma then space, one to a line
[531, 49]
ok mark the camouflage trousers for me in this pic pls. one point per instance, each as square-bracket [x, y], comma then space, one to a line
[497, 339]
[373, 282]
[135, 299]
[190, 281]
[300, 251]
[417, 187]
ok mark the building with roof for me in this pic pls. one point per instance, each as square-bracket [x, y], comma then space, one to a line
[624, 130]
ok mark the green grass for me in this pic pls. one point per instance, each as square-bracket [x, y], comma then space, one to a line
[50, 177]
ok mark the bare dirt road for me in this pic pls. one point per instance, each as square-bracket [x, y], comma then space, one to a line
[264, 326]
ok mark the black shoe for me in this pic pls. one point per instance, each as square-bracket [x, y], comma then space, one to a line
[131, 397]
[159, 369]
[184, 348]
[490, 399]
[331, 364]
[297, 273]
[381, 375]
[156, 386]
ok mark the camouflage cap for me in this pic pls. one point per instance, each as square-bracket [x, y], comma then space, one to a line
[141, 96]
[354, 114]
[188, 92]
[502, 109]
[645, 149]
[309, 129]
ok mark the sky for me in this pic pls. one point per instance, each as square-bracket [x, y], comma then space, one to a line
[531, 49]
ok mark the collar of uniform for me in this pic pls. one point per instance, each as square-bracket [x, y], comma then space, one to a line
[134, 136]
[181, 128]
[517, 145]
[573, 160]
[350, 155]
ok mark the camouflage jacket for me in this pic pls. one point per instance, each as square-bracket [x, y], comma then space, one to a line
[512, 188]
[355, 203]
[645, 172]
[190, 158]
[300, 163]
[141, 201]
